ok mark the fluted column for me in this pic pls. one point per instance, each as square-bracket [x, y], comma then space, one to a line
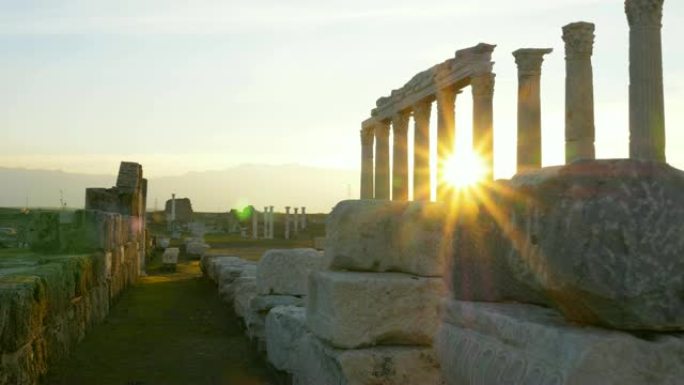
[446, 130]
[400, 176]
[287, 222]
[483, 119]
[579, 92]
[367, 136]
[382, 165]
[646, 104]
[421, 151]
[529, 61]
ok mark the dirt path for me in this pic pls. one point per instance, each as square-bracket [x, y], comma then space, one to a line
[170, 329]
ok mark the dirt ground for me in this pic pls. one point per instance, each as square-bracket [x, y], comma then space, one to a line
[169, 329]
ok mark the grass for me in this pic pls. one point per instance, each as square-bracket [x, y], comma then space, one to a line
[170, 329]
[247, 248]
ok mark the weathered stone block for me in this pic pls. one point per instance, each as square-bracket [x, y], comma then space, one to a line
[245, 290]
[493, 344]
[259, 307]
[319, 363]
[599, 240]
[286, 271]
[285, 331]
[196, 249]
[371, 235]
[170, 256]
[351, 310]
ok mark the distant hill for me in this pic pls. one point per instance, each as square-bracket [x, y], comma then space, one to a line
[318, 189]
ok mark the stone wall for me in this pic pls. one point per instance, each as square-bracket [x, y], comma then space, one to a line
[79, 263]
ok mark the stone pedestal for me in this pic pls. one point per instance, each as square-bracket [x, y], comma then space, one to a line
[382, 165]
[367, 136]
[446, 126]
[646, 104]
[400, 177]
[529, 63]
[421, 151]
[579, 91]
[483, 120]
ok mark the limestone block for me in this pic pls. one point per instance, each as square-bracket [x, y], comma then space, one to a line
[196, 249]
[163, 242]
[601, 241]
[319, 363]
[351, 310]
[212, 264]
[259, 307]
[285, 331]
[249, 270]
[286, 271]
[228, 273]
[493, 344]
[373, 235]
[245, 290]
[170, 256]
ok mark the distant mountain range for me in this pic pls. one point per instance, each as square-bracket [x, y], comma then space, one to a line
[318, 189]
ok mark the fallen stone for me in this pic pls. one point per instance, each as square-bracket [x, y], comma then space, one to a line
[170, 256]
[373, 235]
[255, 316]
[249, 270]
[286, 271]
[196, 249]
[598, 240]
[493, 344]
[319, 363]
[163, 242]
[285, 331]
[351, 310]
[245, 290]
[228, 273]
[211, 265]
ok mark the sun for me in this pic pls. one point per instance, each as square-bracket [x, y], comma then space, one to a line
[464, 170]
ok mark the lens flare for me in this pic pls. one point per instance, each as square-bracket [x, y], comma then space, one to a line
[464, 170]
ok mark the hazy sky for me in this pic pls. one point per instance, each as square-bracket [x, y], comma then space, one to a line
[195, 85]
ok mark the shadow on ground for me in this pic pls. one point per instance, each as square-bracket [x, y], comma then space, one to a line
[171, 328]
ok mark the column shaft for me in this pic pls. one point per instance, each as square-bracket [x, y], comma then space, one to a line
[646, 101]
[382, 165]
[529, 63]
[367, 136]
[400, 176]
[421, 151]
[483, 120]
[579, 92]
[446, 131]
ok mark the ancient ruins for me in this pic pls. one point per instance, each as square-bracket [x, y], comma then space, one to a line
[565, 275]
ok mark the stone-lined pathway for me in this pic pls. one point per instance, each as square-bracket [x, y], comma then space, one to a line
[168, 329]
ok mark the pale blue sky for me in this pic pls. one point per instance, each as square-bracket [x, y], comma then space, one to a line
[196, 85]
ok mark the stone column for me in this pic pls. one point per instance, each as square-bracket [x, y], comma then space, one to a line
[296, 220]
[529, 61]
[265, 220]
[400, 176]
[382, 165]
[421, 151]
[271, 217]
[287, 222]
[446, 131]
[173, 207]
[303, 217]
[255, 224]
[646, 104]
[483, 120]
[579, 92]
[367, 136]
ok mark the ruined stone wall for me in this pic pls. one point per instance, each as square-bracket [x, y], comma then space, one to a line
[80, 262]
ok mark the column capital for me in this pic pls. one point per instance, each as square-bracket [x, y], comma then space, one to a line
[483, 85]
[579, 40]
[400, 122]
[529, 60]
[644, 13]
